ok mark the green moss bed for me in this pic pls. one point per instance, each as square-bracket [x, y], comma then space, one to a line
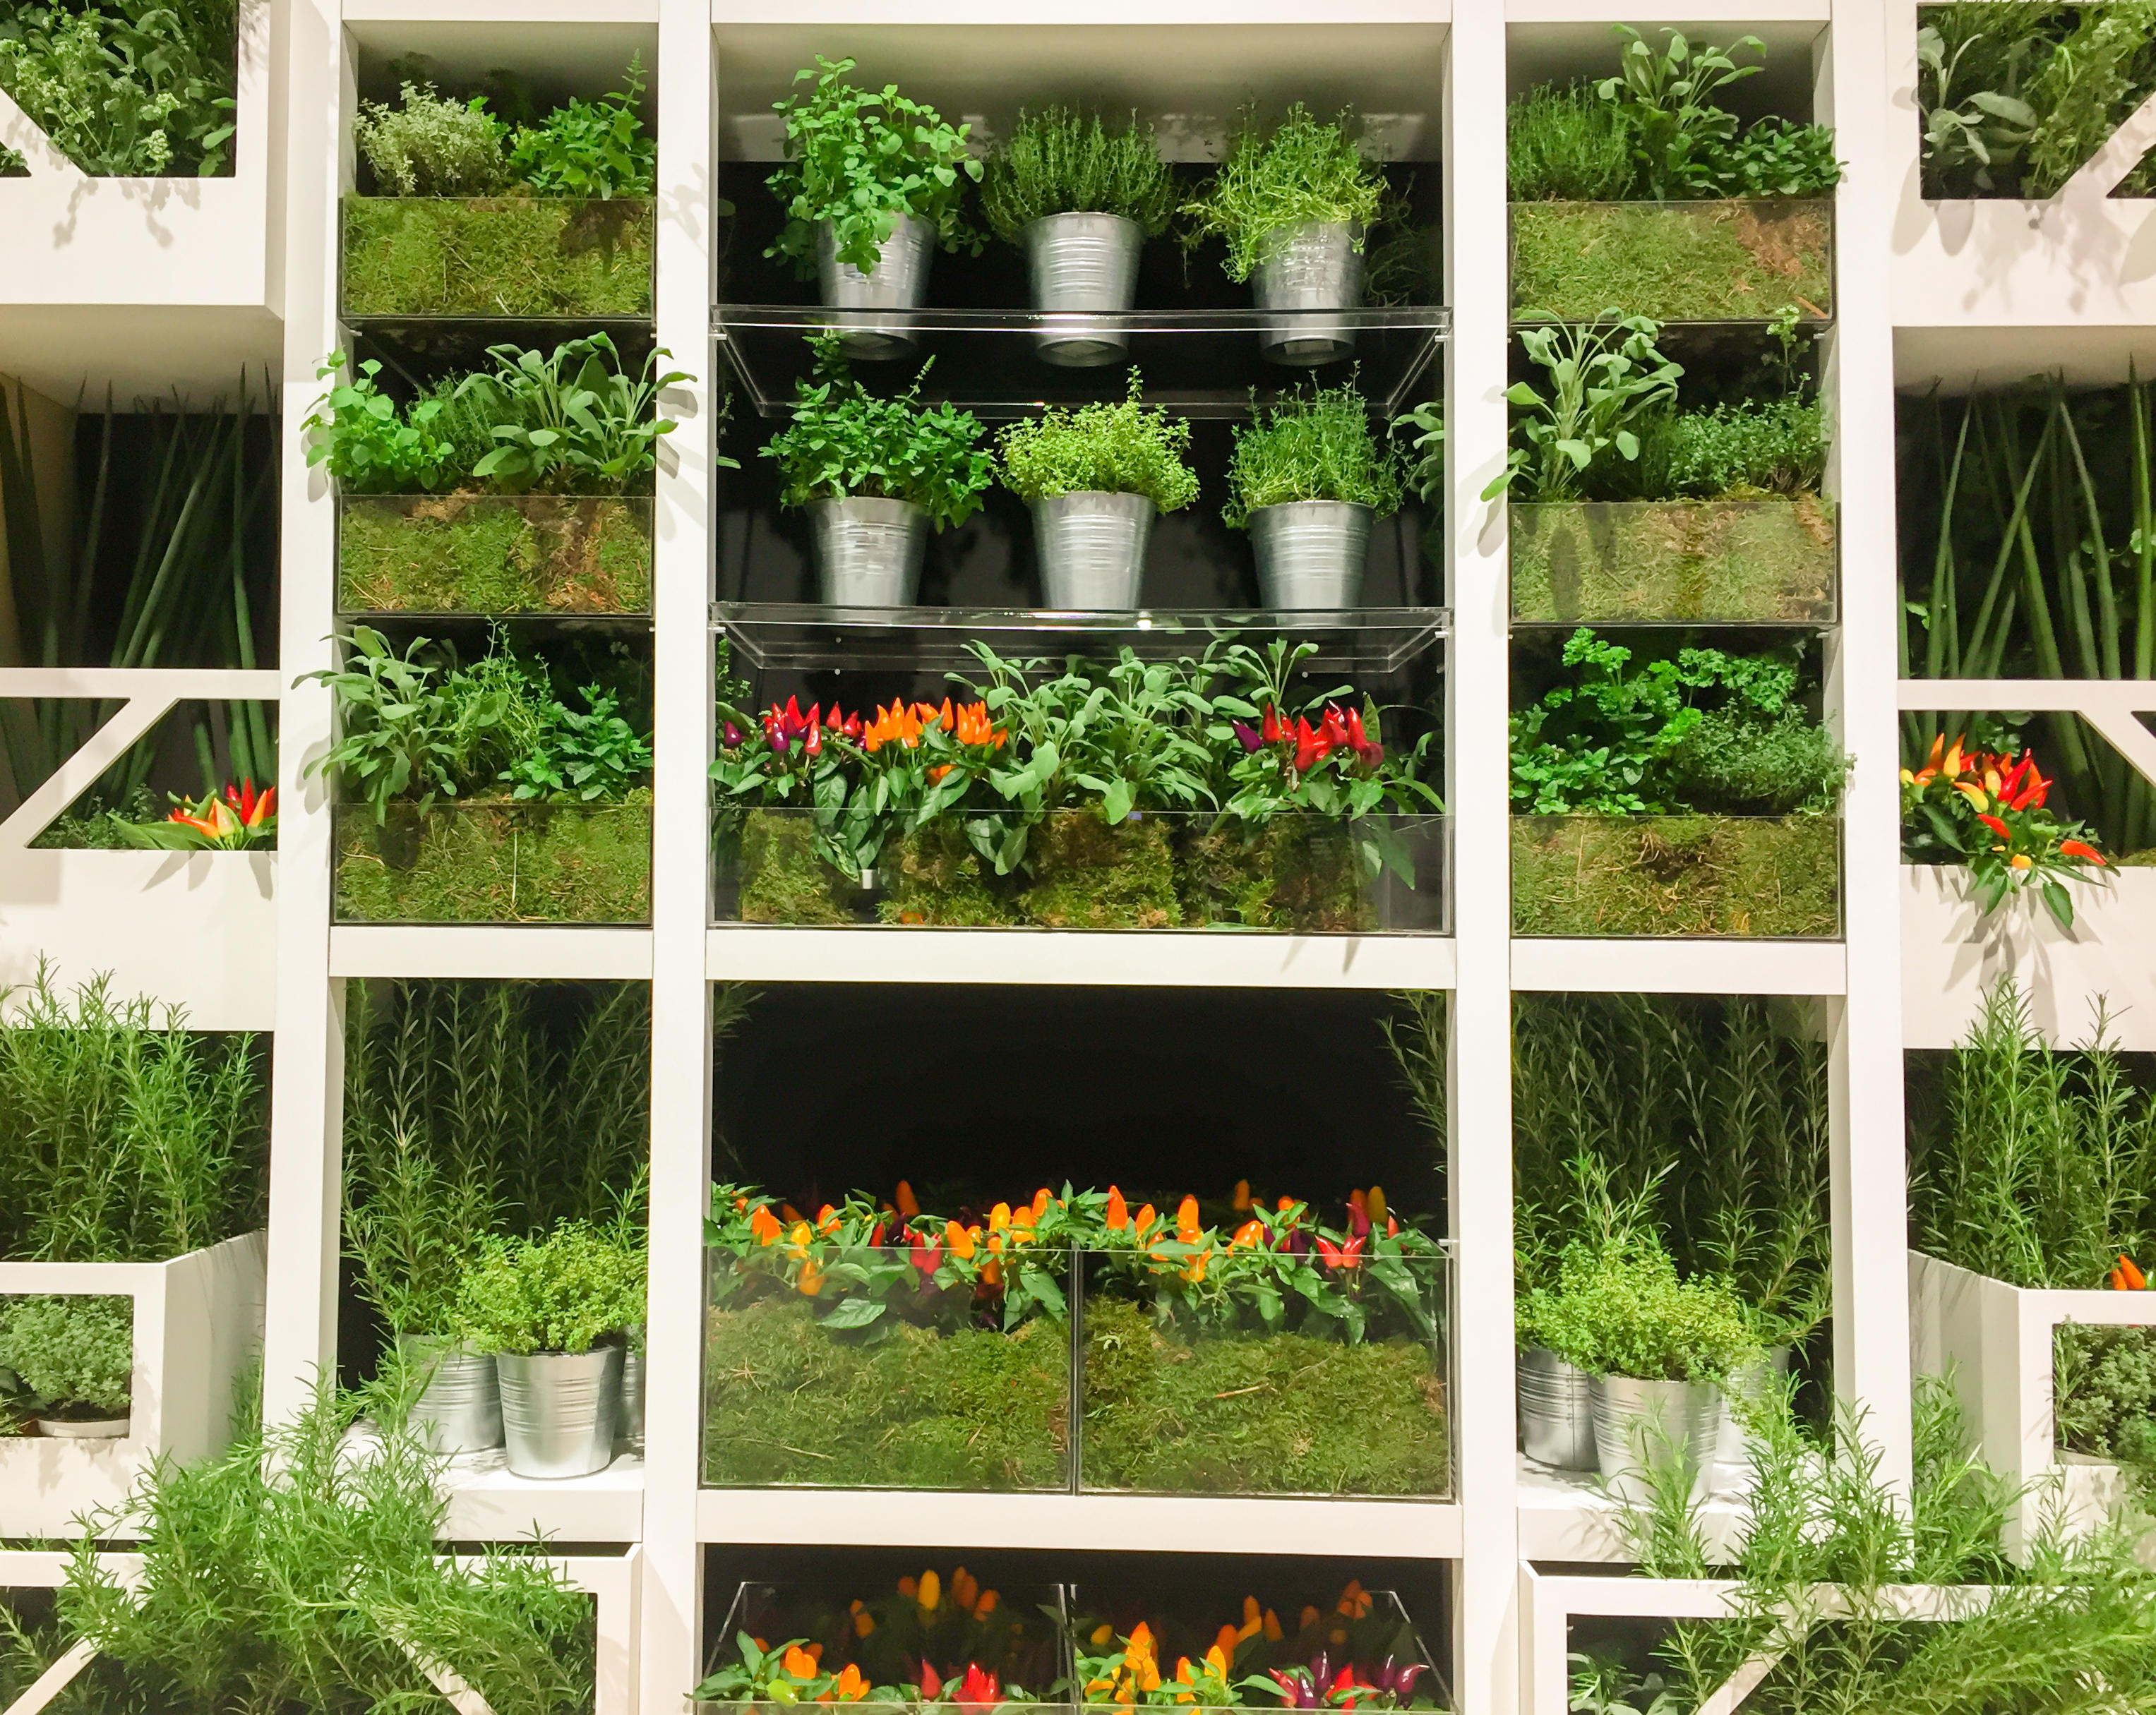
[497, 862]
[497, 256]
[1251, 1413]
[788, 1401]
[493, 554]
[1766, 561]
[1296, 874]
[1732, 261]
[1675, 875]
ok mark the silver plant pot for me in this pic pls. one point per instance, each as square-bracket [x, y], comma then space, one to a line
[629, 1431]
[1310, 553]
[559, 1410]
[1643, 1427]
[85, 1429]
[459, 1409]
[1092, 548]
[1314, 265]
[1556, 1412]
[1732, 1458]
[868, 550]
[898, 281]
[1083, 262]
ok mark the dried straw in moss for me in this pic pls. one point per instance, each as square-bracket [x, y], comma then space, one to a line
[1675, 875]
[1674, 262]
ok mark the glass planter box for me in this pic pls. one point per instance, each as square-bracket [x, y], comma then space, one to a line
[1307, 875]
[497, 256]
[1257, 1396]
[499, 863]
[1724, 562]
[1683, 874]
[489, 554]
[1722, 261]
[873, 1378]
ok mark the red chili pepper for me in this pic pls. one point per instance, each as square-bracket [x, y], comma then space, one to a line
[1996, 826]
[2075, 848]
[1271, 730]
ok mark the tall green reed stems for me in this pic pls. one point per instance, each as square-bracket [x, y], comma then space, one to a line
[1714, 1111]
[124, 1136]
[2029, 548]
[168, 532]
[2037, 1166]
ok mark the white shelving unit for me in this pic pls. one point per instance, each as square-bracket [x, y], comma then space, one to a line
[1985, 290]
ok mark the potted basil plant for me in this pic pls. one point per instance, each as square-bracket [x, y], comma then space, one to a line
[1295, 207]
[75, 1358]
[1080, 200]
[874, 475]
[553, 1311]
[1308, 479]
[1095, 478]
[872, 182]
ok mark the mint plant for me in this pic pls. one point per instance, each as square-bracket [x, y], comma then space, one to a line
[366, 444]
[596, 149]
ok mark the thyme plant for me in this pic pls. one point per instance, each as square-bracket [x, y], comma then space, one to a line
[430, 144]
[1316, 445]
[1118, 448]
[1060, 161]
[1304, 170]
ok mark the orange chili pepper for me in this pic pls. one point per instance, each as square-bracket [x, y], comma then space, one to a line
[907, 1204]
[1118, 1215]
[763, 1225]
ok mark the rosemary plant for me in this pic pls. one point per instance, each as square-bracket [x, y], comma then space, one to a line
[1062, 161]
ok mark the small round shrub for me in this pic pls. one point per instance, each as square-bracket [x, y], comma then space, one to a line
[1118, 448]
[71, 1353]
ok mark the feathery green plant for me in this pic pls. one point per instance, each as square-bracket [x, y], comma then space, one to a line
[1305, 169]
[1316, 445]
[1116, 447]
[1060, 161]
[1564, 143]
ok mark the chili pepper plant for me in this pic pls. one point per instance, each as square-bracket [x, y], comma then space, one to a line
[1987, 811]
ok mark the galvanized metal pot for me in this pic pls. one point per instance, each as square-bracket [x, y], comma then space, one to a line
[1083, 262]
[1642, 1426]
[1733, 1458]
[559, 1410]
[1092, 548]
[1314, 265]
[1310, 553]
[459, 1410]
[868, 550]
[1556, 1412]
[898, 281]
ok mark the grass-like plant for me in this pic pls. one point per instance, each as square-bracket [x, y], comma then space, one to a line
[1564, 143]
[564, 1291]
[74, 1354]
[866, 160]
[1115, 449]
[141, 88]
[1060, 161]
[1316, 445]
[128, 1138]
[1304, 170]
[845, 441]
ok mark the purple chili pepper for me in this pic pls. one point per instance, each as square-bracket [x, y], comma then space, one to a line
[1358, 1222]
[1298, 1246]
[779, 743]
[1246, 735]
[733, 735]
[1318, 1676]
[1405, 1688]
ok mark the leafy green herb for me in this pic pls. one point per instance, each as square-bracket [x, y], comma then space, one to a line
[1564, 142]
[1305, 169]
[1312, 446]
[430, 144]
[1665, 100]
[564, 1291]
[75, 1355]
[598, 149]
[141, 88]
[1062, 161]
[1605, 380]
[1118, 448]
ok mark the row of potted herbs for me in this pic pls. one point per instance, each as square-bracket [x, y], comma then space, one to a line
[943, 1641]
[1250, 1347]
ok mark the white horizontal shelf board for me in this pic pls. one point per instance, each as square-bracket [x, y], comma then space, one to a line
[1229, 15]
[1136, 958]
[1726, 965]
[489, 1503]
[535, 952]
[1720, 14]
[1418, 1529]
[1565, 1516]
[1952, 953]
[511, 15]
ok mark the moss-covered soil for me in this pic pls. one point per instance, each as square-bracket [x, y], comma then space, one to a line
[1707, 562]
[1675, 875]
[1250, 1414]
[467, 553]
[497, 862]
[788, 1401]
[1732, 261]
[497, 256]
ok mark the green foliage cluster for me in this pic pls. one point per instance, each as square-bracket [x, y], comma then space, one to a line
[1117, 447]
[479, 1109]
[128, 1137]
[1060, 161]
[866, 160]
[131, 89]
[1615, 1306]
[1723, 261]
[1753, 450]
[431, 144]
[286, 1573]
[413, 730]
[1305, 169]
[570, 421]
[845, 441]
[1656, 131]
[562, 1291]
[1697, 729]
[497, 256]
[1312, 446]
[2015, 100]
[1709, 1117]
[480, 554]
[1606, 380]
[2103, 1399]
[73, 1355]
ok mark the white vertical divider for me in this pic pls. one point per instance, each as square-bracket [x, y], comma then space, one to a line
[1486, 1601]
[1864, 1028]
[680, 996]
[307, 1089]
